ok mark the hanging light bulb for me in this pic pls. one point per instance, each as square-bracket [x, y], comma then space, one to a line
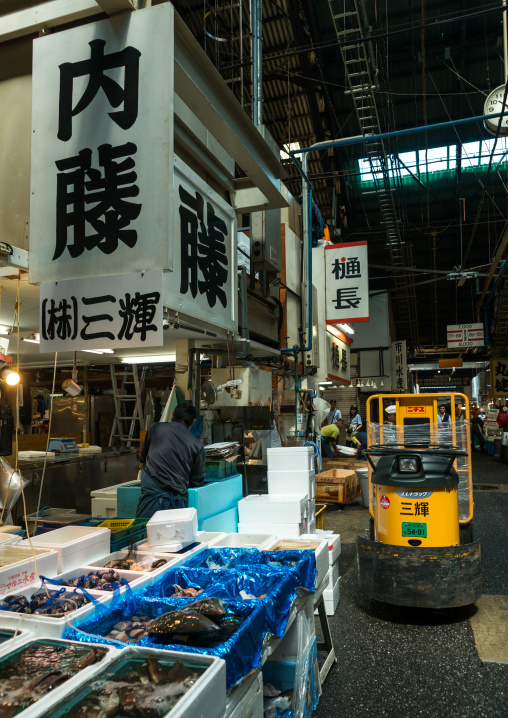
[359, 384]
[381, 383]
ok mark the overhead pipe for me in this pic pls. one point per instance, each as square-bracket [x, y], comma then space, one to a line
[257, 66]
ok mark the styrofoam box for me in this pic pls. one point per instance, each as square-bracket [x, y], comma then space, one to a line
[333, 573]
[17, 636]
[75, 545]
[297, 481]
[320, 549]
[334, 547]
[58, 694]
[209, 537]
[289, 458]
[287, 649]
[172, 526]
[241, 540]
[110, 490]
[18, 567]
[331, 597]
[205, 699]
[273, 508]
[311, 526]
[311, 509]
[104, 508]
[134, 578]
[246, 701]
[41, 626]
[278, 530]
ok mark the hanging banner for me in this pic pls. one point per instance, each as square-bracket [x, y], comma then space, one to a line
[398, 360]
[338, 362]
[465, 335]
[102, 147]
[347, 283]
[499, 378]
[203, 282]
[113, 312]
[450, 363]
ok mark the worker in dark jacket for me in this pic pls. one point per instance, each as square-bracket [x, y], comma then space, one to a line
[174, 461]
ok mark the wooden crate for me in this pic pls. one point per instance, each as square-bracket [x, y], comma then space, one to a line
[337, 486]
[344, 463]
[333, 493]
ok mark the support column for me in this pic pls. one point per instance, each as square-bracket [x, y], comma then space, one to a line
[183, 347]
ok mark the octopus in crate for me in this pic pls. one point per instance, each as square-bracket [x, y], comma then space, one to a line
[186, 592]
[52, 664]
[130, 564]
[150, 692]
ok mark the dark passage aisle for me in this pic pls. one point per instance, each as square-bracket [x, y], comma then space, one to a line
[408, 662]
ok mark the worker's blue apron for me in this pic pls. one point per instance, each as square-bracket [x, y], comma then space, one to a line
[154, 498]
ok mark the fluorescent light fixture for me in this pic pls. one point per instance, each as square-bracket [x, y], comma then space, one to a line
[325, 383]
[151, 359]
[4, 330]
[346, 328]
[98, 351]
[34, 338]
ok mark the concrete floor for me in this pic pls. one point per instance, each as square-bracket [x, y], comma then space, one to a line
[406, 662]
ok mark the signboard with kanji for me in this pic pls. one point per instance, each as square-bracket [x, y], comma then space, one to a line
[499, 378]
[346, 283]
[398, 362]
[338, 362]
[203, 282]
[465, 335]
[114, 312]
[102, 147]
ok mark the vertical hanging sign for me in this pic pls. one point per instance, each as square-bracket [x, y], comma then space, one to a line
[499, 378]
[347, 283]
[398, 360]
[102, 146]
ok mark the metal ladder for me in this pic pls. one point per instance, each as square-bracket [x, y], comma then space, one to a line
[359, 67]
[130, 391]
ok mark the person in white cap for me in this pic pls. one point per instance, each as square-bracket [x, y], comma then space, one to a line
[391, 412]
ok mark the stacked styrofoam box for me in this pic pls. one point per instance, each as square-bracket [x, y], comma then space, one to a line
[279, 515]
[75, 545]
[104, 500]
[291, 471]
[331, 593]
[309, 543]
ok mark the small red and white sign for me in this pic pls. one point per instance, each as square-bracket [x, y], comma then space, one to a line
[385, 502]
[465, 335]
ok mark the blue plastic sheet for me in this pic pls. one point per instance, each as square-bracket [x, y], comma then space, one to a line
[300, 564]
[199, 578]
[241, 652]
[223, 558]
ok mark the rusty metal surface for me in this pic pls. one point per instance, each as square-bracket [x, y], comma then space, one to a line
[442, 577]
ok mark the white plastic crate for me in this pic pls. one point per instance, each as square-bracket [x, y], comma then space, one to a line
[289, 458]
[246, 701]
[205, 699]
[110, 490]
[47, 626]
[174, 526]
[334, 547]
[243, 540]
[333, 573]
[209, 537]
[75, 545]
[320, 549]
[273, 508]
[17, 566]
[331, 597]
[296, 481]
[57, 695]
[104, 508]
[278, 530]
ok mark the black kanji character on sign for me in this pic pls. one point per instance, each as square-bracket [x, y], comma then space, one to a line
[203, 249]
[406, 508]
[345, 268]
[79, 185]
[59, 320]
[347, 298]
[421, 508]
[97, 318]
[398, 346]
[501, 386]
[95, 67]
[501, 368]
[138, 313]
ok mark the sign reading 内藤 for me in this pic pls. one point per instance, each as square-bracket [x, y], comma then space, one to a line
[346, 283]
[102, 147]
[398, 361]
[465, 335]
[203, 281]
[123, 311]
[499, 378]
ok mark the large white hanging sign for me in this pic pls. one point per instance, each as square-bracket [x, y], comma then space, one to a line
[499, 378]
[398, 360]
[102, 146]
[203, 283]
[465, 335]
[347, 283]
[113, 312]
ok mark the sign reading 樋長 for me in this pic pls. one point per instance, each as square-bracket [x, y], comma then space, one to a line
[102, 147]
[113, 312]
[347, 283]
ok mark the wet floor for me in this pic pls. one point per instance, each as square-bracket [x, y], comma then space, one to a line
[406, 662]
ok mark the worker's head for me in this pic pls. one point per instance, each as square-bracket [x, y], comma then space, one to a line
[333, 404]
[391, 412]
[353, 410]
[186, 413]
[442, 408]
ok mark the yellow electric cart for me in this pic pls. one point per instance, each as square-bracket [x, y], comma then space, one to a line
[421, 550]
